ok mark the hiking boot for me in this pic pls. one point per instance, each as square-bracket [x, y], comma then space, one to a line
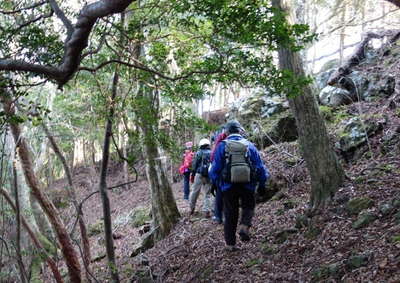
[207, 214]
[244, 233]
[192, 210]
[230, 248]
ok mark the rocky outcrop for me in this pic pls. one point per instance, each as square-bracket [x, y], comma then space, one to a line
[266, 117]
[334, 96]
[355, 131]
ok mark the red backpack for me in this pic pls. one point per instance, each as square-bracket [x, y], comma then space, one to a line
[187, 162]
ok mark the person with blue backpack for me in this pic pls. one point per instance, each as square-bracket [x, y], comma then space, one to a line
[200, 179]
[237, 168]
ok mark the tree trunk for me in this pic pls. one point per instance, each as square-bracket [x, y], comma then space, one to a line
[322, 163]
[35, 240]
[103, 185]
[164, 210]
[25, 156]
[72, 195]
[394, 2]
[23, 276]
[342, 35]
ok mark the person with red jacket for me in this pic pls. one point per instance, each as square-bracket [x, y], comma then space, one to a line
[185, 169]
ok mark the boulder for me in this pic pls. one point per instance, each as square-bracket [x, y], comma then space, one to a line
[276, 129]
[257, 107]
[334, 270]
[386, 209]
[397, 218]
[302, 221]
[334, 96]
[364, 219]
[322, 78]
[356, 205]
[139, 216]
[357, 261]
[357, 83]
[379, 87]
[282, 236]
[355, 131]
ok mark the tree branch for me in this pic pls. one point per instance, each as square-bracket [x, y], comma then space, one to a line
[394, 2]
[23, 9]
[27, 23]
[358, 54]
[60, 14]
[74, 46]
[155, 72]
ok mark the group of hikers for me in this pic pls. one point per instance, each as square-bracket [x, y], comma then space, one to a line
[231, 169]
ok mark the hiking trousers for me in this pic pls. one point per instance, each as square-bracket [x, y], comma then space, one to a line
[201, 184]
[186, 185]
[231, 199]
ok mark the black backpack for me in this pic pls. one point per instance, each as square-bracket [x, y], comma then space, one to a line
[205, 163]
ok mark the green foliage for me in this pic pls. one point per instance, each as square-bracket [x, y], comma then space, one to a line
[95, 228]
[254, 262]
[396, 239]
[326, 112]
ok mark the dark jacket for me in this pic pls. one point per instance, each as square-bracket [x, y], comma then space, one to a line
[196, 165]
[218, 165]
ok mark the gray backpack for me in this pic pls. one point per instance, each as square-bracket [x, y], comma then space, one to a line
[238, 168]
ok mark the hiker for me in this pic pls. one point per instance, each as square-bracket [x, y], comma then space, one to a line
[236, 168]
[199, 177]
[184, 169]
[215, 190]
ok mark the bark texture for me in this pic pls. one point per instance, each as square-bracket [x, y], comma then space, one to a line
[25, 156]
[103, 185]
[77, 41]
[164, 210]
[35, 240]
[325, 170]
[394, 2]
[72, 196]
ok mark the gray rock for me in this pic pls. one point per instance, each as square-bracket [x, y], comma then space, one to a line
[379, 87]
[302, 221]
[357, 261]
[364, 219]
[282, 236]
[322, 78]
[397, 218]
[354, 132]
[386, 209]
[396, 202]
[356, 205]
[356, 83]
[279, 128]
[333, 96]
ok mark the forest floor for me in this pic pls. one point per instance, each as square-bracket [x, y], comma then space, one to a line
[277, 252]
[329, 249]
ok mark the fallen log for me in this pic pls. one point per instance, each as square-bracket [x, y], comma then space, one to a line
[359, 54]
